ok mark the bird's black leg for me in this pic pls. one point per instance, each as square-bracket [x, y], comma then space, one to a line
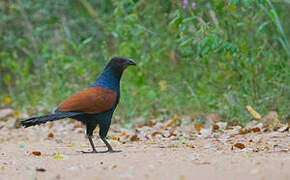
[110, 149]
[90, 129]
[93, 146]
[92, 143]
[103, 133]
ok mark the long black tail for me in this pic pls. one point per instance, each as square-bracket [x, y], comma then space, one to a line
[51, 117]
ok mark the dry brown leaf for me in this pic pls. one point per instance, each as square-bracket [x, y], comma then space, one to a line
[246, 131]
[156, 132]
[256, 129]
[172, 133]
[123, 133]
[206, 163]
[36, 153]
[276, 128]
[134, 138]
[197, 127]
[151, 123]
[172, 121]
[181, 177]
[50, 135]
[215, 127]
[267, 148]
[189, 146]
[240, 145]
[117, 139]
[80, 131]
[40, 169]
[139, 126]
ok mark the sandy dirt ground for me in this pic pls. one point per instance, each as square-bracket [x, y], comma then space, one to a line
[266, 156]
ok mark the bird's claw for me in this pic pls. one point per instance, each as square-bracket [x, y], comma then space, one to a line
[109, 151]
[94, 151]
[87, 152]
[112, 151]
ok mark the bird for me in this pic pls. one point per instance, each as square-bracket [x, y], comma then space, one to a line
[93, 106]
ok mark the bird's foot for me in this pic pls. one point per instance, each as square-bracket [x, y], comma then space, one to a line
[110, 151]
[87, 152]
[94, 151]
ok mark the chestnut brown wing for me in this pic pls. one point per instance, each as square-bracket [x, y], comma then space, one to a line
[91, 100]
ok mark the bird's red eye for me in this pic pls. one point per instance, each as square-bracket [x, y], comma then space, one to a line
[119, 61]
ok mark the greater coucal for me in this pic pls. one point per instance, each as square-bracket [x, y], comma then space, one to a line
[94, 105]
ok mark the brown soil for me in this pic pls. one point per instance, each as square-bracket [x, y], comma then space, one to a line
[266, 156]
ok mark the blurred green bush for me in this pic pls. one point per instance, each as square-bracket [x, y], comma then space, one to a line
[193, 56]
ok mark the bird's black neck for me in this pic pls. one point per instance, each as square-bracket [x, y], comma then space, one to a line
[109, 79]
[113, 71]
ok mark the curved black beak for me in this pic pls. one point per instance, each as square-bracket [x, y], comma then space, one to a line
[131, 62]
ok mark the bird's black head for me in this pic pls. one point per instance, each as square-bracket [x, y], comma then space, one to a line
[119, 64]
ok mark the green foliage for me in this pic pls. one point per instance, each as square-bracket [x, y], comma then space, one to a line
[216, 57]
